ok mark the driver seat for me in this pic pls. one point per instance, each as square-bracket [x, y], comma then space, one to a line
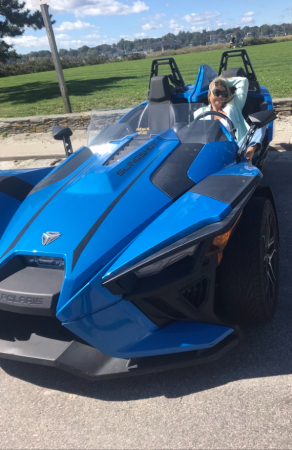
[252, 104]
[160, 113]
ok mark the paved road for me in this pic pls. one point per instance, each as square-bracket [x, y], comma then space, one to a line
[241, 401]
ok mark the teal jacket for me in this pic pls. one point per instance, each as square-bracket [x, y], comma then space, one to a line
[234, 109]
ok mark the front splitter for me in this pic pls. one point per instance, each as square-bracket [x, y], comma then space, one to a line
[44, 341]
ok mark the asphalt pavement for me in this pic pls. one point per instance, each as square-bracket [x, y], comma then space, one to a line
[242, 401]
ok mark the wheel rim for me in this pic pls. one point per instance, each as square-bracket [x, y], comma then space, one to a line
[270, 257]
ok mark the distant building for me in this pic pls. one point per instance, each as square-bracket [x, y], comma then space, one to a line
[170, 44]
[160, 46]
[215, 39]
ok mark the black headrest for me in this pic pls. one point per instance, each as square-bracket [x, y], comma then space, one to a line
[236, 72]
[159, 89]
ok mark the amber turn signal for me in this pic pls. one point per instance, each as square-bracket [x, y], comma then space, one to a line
[219, 242]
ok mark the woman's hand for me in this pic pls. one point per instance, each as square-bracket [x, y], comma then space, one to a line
[250, 152]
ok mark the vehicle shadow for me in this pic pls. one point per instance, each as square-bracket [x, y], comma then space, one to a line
[47, 90]
[265, 351]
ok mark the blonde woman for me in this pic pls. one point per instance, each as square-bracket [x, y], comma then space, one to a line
[222, 100]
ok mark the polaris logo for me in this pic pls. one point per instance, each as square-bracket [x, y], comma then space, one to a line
[136, 159]
[20, 299]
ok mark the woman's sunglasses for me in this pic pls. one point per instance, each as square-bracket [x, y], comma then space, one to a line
[219, 93]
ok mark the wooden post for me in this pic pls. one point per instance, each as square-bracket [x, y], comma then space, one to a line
[56, 58]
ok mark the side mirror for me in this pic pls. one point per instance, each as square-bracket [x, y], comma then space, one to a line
[262, 118]
[63, 134]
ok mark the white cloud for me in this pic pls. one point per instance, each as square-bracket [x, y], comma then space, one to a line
[221, 24]
[28, 41]
[140, 35]
[92, 36]
[78, 25]
[62, 36]
[201, 19]
[154, 17]
[126, 37]
[248, 17]
[173, 25]
[247, 20]
[151, 26]
[63, 41]
[82, 8]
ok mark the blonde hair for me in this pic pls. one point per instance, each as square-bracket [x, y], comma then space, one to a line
[220, 81]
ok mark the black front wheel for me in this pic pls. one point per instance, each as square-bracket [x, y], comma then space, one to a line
[248, 275]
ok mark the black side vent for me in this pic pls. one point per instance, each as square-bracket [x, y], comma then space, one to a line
[197, 295]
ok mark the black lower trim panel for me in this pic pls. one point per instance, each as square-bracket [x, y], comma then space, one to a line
[60, 349]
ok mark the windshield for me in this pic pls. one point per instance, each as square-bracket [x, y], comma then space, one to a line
[148, 120]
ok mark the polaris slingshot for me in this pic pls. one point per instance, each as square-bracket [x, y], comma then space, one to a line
[146, 249]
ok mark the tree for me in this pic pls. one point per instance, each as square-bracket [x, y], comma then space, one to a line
[83, 49]
[63, 52]
[14, 18]
[73, 53]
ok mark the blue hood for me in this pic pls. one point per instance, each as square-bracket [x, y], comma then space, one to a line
[96, 210]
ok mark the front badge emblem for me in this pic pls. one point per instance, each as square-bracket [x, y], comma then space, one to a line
[49, 237]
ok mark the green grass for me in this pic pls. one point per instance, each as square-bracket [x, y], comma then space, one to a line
[126, 84]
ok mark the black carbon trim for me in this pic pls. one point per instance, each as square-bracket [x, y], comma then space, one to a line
[25, 228]
[172, 176]
[229, 189]
[64, 171]
[15, 187]
[89, 235]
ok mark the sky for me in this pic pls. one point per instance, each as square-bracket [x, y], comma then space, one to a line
[94, 22]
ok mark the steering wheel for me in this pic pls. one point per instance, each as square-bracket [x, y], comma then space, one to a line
[215, 113]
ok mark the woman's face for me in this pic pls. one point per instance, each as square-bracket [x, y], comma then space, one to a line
[217, 100]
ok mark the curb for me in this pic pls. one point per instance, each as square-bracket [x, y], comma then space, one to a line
[44, 124]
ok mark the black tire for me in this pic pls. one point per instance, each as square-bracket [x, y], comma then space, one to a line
[248, 274]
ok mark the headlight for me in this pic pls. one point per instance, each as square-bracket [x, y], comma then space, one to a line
[45, 261]
[158, 266]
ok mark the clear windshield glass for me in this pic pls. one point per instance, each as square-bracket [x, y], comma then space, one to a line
[146, 121]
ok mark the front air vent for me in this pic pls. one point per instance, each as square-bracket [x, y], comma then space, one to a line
[117, 156]
[197, 295]
[123, 151]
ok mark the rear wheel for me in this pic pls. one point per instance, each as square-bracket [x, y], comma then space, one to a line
[248, 275]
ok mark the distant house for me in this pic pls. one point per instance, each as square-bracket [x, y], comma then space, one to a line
[157, 47]
[215, 39]
[118, 54]
[170, 44]
[160, 46]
